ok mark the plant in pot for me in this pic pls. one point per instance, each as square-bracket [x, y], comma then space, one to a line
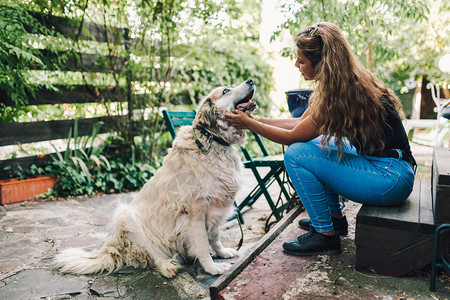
[25, 185]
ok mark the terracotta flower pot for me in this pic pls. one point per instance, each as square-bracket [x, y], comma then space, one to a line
[13, 190]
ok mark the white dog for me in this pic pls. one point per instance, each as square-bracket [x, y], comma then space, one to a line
[178, 212]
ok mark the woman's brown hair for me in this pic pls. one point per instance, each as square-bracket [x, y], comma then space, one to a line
[346, 100]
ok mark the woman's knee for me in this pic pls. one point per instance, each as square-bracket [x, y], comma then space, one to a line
[293, 152]
[301, 150]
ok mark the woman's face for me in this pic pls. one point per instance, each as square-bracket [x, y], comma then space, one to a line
[304, 65]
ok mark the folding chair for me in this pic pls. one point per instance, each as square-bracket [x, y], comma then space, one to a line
[275, 167]
[175, 119]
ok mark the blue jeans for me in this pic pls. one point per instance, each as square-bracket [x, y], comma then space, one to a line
[319, 178]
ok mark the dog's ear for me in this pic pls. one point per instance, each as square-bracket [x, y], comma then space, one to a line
[205, 114]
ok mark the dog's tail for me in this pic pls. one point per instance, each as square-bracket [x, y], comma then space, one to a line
[79, 261]
[116, 252]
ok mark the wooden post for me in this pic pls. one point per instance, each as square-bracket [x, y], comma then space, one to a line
[128, 88]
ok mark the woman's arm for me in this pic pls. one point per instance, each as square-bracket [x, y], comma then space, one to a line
[305, 130]
[284, 123]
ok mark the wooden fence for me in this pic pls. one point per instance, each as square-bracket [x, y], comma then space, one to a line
[14, 133]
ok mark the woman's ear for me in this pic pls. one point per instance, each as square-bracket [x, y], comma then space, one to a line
[205, 115]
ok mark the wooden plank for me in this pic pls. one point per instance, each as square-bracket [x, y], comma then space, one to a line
[404, 216]
[366, 214]
[83, 62]
[24, 162]
[442, 212]
[71, 94]
[366, 256]
[12, 133]
[237, 268]
[405, 260]
[71, 28]
[410, 211]
[441, 185]
[426, 217]
[441, 162]
[386, 238]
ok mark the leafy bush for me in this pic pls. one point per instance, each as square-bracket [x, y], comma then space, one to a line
[85, 169]
[17, 53]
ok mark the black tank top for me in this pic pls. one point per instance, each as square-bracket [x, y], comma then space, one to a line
[395, 134]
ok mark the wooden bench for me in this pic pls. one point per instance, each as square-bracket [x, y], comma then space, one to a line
[396, 240]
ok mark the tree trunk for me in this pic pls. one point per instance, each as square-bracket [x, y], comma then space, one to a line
[415, 114]
[427, 104]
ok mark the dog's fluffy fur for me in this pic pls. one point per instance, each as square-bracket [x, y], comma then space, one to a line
[178, 211]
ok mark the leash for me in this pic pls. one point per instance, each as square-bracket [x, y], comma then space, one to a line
[241, 241]
[210, 137]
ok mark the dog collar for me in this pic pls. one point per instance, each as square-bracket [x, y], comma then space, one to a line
[210, 137]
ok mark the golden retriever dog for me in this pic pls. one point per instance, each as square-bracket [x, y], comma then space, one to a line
[177, 214]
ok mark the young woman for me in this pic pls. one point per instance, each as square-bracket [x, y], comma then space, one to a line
[349, 142]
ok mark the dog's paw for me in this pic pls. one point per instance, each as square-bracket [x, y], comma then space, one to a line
[227, 252]
[169, 268]
[217, 268]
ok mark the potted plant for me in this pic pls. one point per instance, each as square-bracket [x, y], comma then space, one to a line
[16, 190]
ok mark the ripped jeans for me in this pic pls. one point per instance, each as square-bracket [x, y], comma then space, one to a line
[319, 178]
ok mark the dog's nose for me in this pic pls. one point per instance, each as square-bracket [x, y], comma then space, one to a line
[249, 81]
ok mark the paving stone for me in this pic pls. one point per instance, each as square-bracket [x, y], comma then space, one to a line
[105, 286]
[15, 253]
[32, 284]
[146, 285]
[2, 212]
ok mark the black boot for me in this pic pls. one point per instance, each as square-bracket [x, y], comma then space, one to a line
[340, 225]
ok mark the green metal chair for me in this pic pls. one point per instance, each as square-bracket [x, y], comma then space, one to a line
[274, 165]
[444, 258]
[174, 119]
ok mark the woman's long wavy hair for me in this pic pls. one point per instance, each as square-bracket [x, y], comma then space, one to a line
[346, 100]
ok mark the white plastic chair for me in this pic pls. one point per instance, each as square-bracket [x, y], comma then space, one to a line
[440, 126]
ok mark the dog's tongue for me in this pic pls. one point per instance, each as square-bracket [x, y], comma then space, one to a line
[243, 106]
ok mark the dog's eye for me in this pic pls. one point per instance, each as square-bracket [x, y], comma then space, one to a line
[225, 91]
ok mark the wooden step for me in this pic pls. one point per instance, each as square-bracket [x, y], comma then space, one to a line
[397, 239]
[441, 185]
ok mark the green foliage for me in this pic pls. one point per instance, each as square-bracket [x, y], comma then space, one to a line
[21, 174]
[229, 56]
[85, 169]
[421, 46]
[18, 55]
[395, 39]
[73, 168]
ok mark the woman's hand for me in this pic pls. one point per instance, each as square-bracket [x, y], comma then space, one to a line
[238, 119]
